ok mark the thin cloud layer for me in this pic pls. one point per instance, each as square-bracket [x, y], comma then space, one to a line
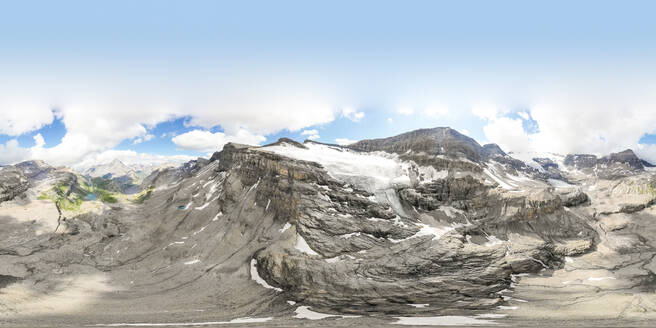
[205, 141]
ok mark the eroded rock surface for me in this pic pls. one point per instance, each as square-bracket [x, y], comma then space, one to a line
[12, 183]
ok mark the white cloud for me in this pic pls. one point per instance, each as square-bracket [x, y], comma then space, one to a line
[583, 124]
[142, 139]
[436, 112]
[352, 114]
[312, 134]
[23, 115]
[647, 152]
[38, 140]
[576, 112]
[99, 114]
[390, 120]
[406, 111]
[309, 132]
[11, 152]
[523, 115]
[508, 133]
[205, 141]
[344, 141]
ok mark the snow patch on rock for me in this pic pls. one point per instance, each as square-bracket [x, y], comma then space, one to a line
[304, 312]
[303, 246]
[369, 171]
[449, 320]
[255, 276]
[285, 227]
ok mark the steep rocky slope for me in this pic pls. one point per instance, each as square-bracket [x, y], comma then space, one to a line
[399, 233]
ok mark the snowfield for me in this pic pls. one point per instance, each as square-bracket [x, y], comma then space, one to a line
[372, 171]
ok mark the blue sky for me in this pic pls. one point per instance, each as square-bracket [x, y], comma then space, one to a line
[159, 80]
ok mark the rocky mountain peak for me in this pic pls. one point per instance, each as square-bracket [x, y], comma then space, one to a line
[435, 141]
[113, 169]
[580, 161]
[612, 166]
[493, 150]
[35, 169]
[627, 157]
[288, 141]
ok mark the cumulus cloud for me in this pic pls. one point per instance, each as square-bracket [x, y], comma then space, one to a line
[646, 152]
[352, 114]
[23, 115]
[11, 152]
[309, 132]
[39, 141]
[508, 134]
[344, 141]
[572, 126]
[100, 112]
[312, 134]
[205, 141]
[575, 113]
[142, 139]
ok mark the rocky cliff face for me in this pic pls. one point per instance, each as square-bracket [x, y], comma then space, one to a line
[449, 240]
[12, 183]
[613, 166]
[437, 141]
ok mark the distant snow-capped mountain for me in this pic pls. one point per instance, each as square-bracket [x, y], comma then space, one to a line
[113, 169]
[117, 169]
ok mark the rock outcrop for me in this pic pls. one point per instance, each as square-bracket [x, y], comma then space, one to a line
[436, 141]
[613, 166]
[12, 183]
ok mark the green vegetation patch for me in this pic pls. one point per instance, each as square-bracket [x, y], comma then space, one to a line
[143, 195]
[105, 196]
[45, 196]
[70, 204]
[99, 187]
[100, 183]
[647, 189]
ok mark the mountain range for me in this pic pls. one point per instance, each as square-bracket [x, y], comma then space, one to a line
[424, 227]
